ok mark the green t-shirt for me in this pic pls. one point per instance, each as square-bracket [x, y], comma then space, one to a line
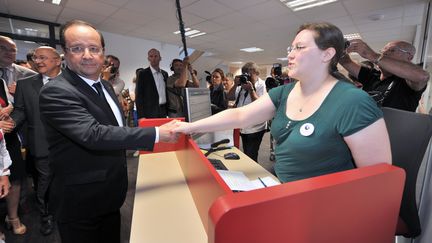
[315, 146]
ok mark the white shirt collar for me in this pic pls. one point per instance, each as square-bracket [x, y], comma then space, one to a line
[90, 82]
[154, 70]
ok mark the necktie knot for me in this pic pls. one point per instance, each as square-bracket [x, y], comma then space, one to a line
[98, 87]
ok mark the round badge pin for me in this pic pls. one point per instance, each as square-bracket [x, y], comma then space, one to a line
[307, 129]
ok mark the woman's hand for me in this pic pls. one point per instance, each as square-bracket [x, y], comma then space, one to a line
[7, 125]
[5, 112]
[182, 127]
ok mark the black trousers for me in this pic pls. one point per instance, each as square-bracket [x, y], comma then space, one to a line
[101, 229]
[44, 176]
[251, 143]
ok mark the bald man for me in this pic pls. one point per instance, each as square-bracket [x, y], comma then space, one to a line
[47, 61]
[9, 71]
[398, 83]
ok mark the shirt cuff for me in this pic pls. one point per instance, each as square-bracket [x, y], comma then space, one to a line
[157, 134]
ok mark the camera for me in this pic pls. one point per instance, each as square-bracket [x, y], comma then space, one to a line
[346, 44]
[113, 69]
[208, 77]
[273, 82]
[243, 78]
[277, 69]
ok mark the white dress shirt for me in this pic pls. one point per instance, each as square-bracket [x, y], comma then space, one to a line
[115, 109]
[160, 85]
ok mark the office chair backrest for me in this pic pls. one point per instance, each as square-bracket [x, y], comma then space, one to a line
[409, 137]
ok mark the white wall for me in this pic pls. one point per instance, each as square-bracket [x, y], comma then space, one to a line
[132, 53]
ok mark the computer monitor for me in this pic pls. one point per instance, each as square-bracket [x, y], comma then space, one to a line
[197, 106]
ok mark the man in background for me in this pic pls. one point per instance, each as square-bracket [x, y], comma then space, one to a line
[9, 71]
[398, 84]
[150, 91]
[176, 83]
[247, 92]
[26, 110]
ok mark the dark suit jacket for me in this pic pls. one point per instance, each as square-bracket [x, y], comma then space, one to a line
[87, 148]
[146, 94]
[26, 109]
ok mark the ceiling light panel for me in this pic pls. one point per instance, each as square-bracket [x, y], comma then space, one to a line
[297, 5]
[252, 49]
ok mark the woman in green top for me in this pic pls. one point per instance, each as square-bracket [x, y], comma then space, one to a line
[321, 124]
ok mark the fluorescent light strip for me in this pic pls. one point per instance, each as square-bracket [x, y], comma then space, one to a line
[282, 58]
[178, 31]
[251, 49]
[191, 32]
[313, 5]
[202, 33]
[296, 3]
[56, 2]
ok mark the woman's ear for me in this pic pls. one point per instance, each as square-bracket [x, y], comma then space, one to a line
[328, 54]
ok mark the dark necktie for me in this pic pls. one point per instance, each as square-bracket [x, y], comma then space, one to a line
[100, 92]
[4, 100]
[4, 75]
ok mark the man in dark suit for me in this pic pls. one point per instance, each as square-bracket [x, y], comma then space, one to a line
[150, 91]
[47, 61]
[87, 139]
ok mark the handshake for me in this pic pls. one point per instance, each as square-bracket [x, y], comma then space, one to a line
[170, 132]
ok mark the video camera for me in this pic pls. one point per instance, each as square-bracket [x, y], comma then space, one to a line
[277, 80]
[208, 77]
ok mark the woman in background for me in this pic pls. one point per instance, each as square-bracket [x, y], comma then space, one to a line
[5, 162]
[321, 125]
[217, 94]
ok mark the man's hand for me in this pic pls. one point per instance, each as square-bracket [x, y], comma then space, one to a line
[363, 50]
[4, 186]
[12, 87]
[166, 133]
[182, 127]
[7, 125]
[248, 86]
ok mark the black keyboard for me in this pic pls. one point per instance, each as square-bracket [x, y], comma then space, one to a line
[217, 164]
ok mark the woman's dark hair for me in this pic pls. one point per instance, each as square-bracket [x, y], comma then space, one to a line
[73, 23]
[327, 35]
[221, 72]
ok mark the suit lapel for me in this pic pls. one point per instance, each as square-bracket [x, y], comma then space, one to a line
[37, 83]
[84, 88]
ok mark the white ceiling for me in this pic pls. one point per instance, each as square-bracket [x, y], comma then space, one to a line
[232, 24]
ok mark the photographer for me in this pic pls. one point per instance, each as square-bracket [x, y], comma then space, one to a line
[111, 73]
[398, 84]
[249, 88]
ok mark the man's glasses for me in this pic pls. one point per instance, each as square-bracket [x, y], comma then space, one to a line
[5, 49]
[79, 50]
[39, 58]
